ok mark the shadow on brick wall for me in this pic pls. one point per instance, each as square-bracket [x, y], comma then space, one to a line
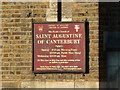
[109, 22]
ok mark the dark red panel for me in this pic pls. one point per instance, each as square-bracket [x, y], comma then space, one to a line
[59, 47]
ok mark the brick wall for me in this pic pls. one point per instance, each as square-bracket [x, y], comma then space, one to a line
[17, 42]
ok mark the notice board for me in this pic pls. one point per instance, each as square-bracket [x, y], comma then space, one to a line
[59, 47]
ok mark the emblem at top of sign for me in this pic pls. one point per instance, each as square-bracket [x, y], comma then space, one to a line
[40, 28]
[77, 27]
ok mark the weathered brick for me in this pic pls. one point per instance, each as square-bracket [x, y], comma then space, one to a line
[17, 41]
[10, 85]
